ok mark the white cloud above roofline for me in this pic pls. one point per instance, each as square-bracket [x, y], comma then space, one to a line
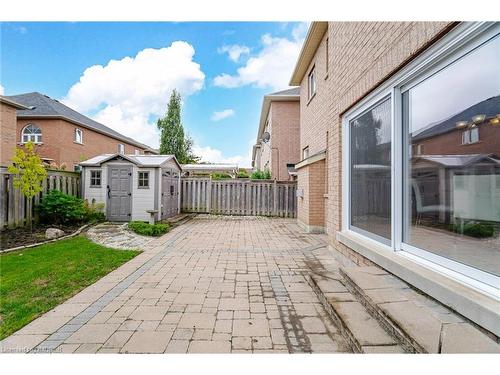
[125, 94]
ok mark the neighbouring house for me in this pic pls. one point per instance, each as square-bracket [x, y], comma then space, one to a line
[63, 137]
[206, 169]
[8, 128]
[399, 139]
[278, 146]
[133, 187]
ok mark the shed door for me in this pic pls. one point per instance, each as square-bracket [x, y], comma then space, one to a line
[169, 193]
[119, 190]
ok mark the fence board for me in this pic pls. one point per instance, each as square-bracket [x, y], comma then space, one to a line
[239, 197]
[13, 205]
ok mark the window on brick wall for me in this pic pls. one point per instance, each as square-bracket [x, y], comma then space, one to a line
[121, 148]
[305, 153]
[327, 55]
[311, 82]
[32, 133]
[78, 136]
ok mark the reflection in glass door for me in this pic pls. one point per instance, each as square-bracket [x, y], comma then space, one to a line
[452, 161]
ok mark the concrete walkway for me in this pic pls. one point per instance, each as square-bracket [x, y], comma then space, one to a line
[212, 285]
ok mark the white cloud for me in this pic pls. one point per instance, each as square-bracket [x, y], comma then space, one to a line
[273, 64]
[124, 93]
[213, 155]
[2, 89]
[221, 115]
[235, 51]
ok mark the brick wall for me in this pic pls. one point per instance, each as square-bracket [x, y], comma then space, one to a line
[285, 137]
[58, 138]
[361, 56]
[311, 206]
[7, 133]
[283, 147]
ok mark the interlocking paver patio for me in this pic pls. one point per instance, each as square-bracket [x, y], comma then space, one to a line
[213, 285]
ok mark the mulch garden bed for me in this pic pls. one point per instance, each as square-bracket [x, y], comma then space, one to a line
[24, 236]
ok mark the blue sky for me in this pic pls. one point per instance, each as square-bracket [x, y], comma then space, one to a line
[122, 74]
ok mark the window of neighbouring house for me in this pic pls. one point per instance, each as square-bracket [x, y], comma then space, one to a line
[95, 178]
[311, 80]
[121, 148]
[143, 180]
[32, 133]
[470, 136]
[78, 136]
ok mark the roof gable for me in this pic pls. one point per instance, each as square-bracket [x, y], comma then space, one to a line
[44, 106]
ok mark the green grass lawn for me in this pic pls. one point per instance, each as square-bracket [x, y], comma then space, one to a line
[35, 280]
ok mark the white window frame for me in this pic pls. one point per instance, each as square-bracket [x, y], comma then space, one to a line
[95, 178]
[305, 153]
[121, 148]
[38, 137]
[143, 176]
[78, 131]
[457, 43]
[311, 82]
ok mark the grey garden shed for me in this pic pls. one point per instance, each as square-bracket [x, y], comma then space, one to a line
[133, 187]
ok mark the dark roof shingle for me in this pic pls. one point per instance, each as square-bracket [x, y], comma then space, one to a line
[44, 106]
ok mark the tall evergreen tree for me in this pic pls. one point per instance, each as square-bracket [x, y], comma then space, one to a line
[173, 140]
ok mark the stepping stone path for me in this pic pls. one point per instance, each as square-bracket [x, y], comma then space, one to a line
[117, 235]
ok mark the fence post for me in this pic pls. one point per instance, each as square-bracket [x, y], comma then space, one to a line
[209, 194]
[275, 197]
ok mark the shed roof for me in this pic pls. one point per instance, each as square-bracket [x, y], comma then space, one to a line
[207, 167]
[457, 160]
[139, 160]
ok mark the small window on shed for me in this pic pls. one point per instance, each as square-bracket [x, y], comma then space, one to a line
[143, 180]
[95, 178]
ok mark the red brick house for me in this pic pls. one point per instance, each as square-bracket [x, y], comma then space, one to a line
[280, 120]
[63, 136]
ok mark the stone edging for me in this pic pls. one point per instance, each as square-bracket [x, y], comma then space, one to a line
[77, 232]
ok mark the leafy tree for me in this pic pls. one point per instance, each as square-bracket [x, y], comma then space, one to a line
[173, 140]
[29, 173]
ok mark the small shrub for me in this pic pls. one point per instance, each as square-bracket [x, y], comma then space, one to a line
[146, 229]
[59, 208]
[261, 175]
[242, 174]
[94, 212]
[474, 229]
[220, 176]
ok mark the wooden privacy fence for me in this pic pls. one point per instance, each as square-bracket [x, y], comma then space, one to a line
[13, 205]
[239, 197]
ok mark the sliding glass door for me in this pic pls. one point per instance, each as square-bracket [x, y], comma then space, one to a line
[452, 165]
[422, 159]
